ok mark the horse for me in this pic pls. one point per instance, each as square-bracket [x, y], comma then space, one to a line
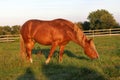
[57, 32]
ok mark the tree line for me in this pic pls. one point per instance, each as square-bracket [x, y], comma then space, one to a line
[8, 30]
[99, 19]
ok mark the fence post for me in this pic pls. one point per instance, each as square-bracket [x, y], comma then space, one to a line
[110, 31]
[93, 33]
[7, 38]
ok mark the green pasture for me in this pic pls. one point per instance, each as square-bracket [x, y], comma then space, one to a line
[75, 66]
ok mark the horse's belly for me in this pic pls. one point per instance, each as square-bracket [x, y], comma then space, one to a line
[49, 41]
[44, 42]
[50, 37]
[42, 39]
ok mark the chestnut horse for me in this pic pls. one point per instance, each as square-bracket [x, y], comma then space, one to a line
[56, 32]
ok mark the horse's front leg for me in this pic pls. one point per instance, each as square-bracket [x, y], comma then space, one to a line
[61, 52]
[54, 45]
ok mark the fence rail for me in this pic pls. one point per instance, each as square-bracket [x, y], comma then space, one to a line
[8, 38]
[102, 32]
[90, 33]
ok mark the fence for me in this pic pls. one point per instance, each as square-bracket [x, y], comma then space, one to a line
[102, 32]
[8, 38]
[91, 33]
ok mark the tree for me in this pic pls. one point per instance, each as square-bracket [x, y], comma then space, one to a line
[15, 29]
[86, 25]
[1, 30]
[79, 24]
[83, 25]
[6, 30]
[101, 19]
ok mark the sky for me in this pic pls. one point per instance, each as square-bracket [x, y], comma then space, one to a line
[16, 12]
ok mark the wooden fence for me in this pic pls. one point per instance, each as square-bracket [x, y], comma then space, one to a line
[102, 32]
[8, 38]
[89, 33]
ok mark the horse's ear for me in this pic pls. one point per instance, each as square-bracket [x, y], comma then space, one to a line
[90, 40]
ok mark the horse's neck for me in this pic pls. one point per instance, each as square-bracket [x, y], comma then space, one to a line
[84, 39]
[81, 38]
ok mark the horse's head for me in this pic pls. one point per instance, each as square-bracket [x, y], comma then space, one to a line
[90, 49]
[82, 40]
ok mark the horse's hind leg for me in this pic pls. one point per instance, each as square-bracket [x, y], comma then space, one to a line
[29, 46]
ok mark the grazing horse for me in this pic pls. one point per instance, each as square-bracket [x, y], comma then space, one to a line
[56, 32]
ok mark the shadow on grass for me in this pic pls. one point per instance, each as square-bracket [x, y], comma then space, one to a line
[59, 72]
[28, 75]
[45, 52]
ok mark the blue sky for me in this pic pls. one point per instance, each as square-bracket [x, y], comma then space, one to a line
[16, 12]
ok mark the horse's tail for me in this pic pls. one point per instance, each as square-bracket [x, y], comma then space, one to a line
[22, 48]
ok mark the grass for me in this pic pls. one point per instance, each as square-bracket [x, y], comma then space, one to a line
[75, 66]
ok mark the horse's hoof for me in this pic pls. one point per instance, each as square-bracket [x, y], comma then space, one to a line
[60, 60]
[31, 61]
[47, 61]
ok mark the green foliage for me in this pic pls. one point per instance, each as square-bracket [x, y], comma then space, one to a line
[6, 30]
[79, 24]
[15, 29]
[85, 25]
[75, 66]
[101, 19]
[1, 30]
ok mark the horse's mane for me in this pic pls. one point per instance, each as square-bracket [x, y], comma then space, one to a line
[78, 32]
[71, 25]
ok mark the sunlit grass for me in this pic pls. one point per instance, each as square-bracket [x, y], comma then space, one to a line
[75, 66]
